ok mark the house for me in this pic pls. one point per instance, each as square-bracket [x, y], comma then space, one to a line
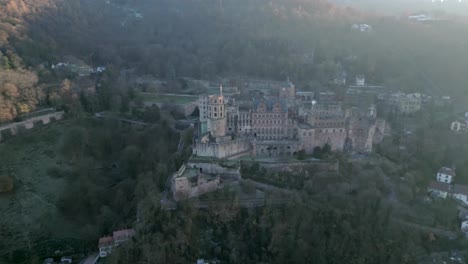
[362, 27]
[439, 189]
[106, 244]
[464, 226]
[446, 175]
[459, 126]
[460, 192]
[409, 103]
[360, 80]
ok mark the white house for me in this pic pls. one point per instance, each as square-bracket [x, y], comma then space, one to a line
[458, 126]
[439, 189]
[446, 175]
[464, 227]
[360, 80]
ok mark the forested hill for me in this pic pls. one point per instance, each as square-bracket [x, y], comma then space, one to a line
[258, 38]
[308, 40]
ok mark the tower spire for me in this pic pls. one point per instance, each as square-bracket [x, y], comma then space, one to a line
[221, 89]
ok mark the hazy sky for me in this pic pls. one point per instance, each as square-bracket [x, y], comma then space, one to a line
[410, 5]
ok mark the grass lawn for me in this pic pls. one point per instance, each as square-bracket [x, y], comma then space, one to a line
[29, 215]
[172, 99]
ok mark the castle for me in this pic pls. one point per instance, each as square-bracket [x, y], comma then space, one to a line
[278, 121]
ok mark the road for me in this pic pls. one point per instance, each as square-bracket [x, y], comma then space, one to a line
[91, 259]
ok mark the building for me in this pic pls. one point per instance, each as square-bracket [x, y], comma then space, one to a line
[446, 175]
[362, 27]
[460, 193]
[360, 80]
[270, 119]
[459, 126]
[409, 103]
[108, 243]
[464, 227]
[439, 189]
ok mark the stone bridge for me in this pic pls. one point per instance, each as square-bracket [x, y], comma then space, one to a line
[13, 128]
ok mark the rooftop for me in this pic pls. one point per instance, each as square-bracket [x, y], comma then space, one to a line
[447, 171]
[106, 241]
[439, 186]
[462, 189]
[123, 234]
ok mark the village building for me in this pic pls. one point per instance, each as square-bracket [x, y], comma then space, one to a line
[360, 80]
[108, 243]
[409, 103]
[439, 189]
[458, 126]
[446, 175]
[460, 193]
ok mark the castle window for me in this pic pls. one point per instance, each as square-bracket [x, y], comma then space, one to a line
[215, 115]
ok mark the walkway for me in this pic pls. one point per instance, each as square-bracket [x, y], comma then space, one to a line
[91, 259]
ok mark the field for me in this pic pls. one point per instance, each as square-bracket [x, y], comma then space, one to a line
[168, 99]
[29, 215]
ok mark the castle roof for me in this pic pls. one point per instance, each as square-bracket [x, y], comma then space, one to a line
[270, 104]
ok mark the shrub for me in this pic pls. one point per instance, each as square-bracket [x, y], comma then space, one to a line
[6, 184]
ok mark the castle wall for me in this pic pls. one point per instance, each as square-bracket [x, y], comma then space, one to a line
[361, 133]
[335, 137]
[319, 137]
[29, 123]
[213, 167]
[271, 148]
[222, 150]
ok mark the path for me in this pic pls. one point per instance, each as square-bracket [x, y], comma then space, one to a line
[91, 259]
[108, 116]
[437, 231]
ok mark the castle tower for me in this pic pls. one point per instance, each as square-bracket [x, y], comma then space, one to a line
[217, 114]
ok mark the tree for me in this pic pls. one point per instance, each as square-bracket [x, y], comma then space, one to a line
[152, 114]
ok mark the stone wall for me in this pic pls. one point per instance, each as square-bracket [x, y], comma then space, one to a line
[184, 109]
[317, 165]
[214, 167]
[221, 150]
[276, 148]
[319, 137]
[13, 128]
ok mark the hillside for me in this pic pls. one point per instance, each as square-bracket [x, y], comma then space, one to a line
[204, 39]
[308, 40]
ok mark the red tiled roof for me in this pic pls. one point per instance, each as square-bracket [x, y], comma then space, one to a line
[123, 234]
[106, 241]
